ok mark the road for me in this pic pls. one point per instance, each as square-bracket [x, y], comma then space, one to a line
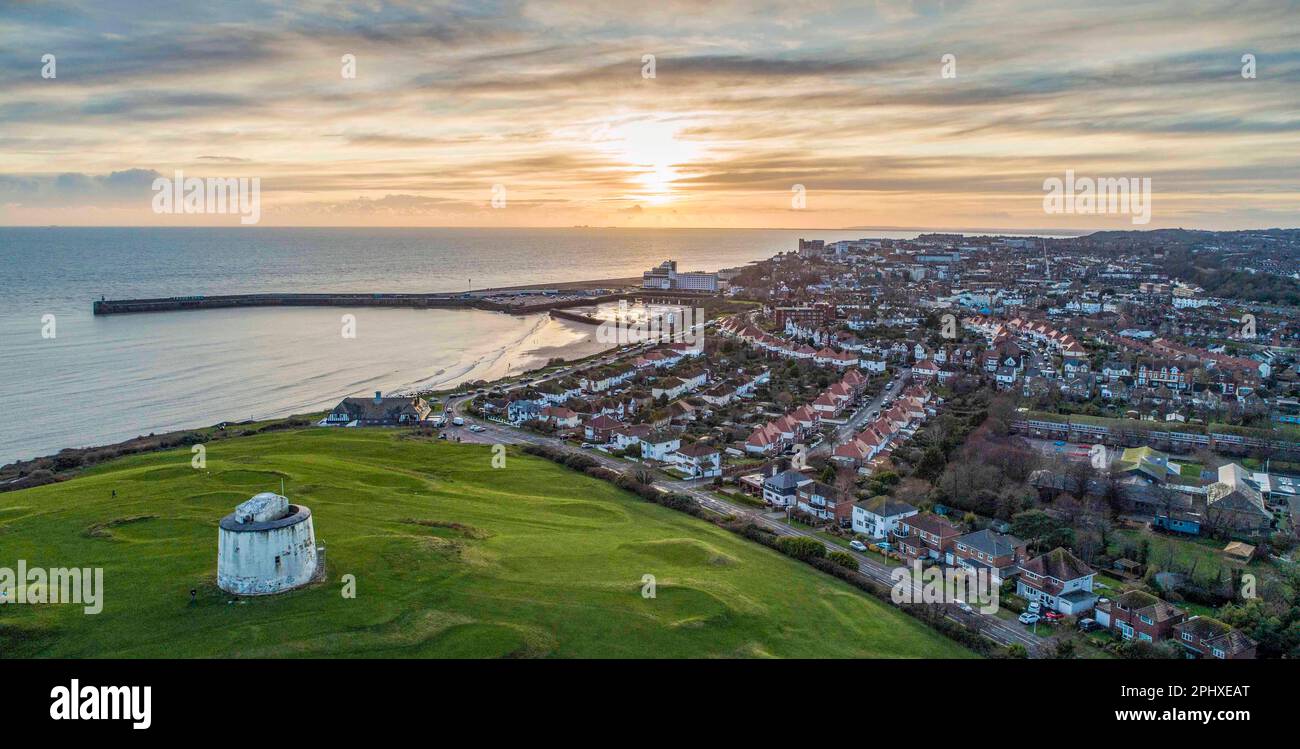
[858, 420]
[998, 630]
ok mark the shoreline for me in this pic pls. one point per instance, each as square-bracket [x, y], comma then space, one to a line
[63, 463]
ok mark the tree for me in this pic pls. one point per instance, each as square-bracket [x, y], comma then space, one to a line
[1034, 526]
[1080, 476]
[931, 464]
[1065, 648]
[1017, 651]
[640, 475]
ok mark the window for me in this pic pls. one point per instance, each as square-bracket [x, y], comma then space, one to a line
[1218, 653]
[1146, 620]
[1187, 637]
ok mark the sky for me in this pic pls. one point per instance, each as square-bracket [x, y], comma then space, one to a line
[655, 113]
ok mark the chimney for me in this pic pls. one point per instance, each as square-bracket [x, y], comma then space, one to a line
[378, 397]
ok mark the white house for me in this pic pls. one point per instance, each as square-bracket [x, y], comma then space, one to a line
[1058, 580]
[878, 517]
[631, 434]
[657, 446]
[872, 363]
[782, 489]
[602, 380]
[746, 388]
[561, 417]
[560, 393]
[698, 460]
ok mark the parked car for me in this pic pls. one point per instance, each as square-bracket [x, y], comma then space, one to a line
[857, 545]
[1028, 618]
[1035, 607]
[1088, 625]
[587, 446]
[1053, 616]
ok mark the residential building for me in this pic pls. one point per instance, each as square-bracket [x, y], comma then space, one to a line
[1059, 580]
[698, 460]
[665, 276]
[600, 429]
[878, 517]
[781, 490]
[825, 502]
[1206, 637]
[926, 537]
[560, 417]
[658, 445]
[999, 553]
[379, 411]
[1235, 503]
[1136, 614]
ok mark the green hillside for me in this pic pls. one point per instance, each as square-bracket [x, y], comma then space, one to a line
[452, 558]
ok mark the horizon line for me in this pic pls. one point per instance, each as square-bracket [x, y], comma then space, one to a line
[930, 229]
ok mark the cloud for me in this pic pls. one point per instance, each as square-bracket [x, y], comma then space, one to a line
[77, 189]
[748, 98]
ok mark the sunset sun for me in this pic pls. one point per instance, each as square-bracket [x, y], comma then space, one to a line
[651, 155]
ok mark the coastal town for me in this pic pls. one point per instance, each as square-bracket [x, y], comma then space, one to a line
[1106, 430]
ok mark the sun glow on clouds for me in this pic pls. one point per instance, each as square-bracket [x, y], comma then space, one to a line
[548, 101]
[651, 154]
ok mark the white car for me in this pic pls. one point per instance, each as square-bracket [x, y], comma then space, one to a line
[966, 607]
[857, 545]
[1035, 607]
[1028, 618]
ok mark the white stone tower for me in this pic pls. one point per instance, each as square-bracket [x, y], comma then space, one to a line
[266, 546]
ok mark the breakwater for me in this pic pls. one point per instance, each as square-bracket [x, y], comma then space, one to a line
[499, 301]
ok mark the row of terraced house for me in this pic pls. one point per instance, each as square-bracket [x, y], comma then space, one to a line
[803, 422]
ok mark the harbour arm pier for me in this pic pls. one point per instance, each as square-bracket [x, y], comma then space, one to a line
[516, 300]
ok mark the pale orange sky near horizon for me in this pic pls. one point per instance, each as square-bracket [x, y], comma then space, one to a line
[548, 106]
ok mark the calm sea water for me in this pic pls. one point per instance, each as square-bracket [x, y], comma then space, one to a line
[105, 379]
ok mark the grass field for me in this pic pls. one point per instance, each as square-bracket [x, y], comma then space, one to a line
[452, 558]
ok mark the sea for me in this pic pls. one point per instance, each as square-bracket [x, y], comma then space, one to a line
[71, 379]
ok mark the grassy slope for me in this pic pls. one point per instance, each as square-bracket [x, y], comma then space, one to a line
[550, 566]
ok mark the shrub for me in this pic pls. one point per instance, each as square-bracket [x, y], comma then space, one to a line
[801, 547]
